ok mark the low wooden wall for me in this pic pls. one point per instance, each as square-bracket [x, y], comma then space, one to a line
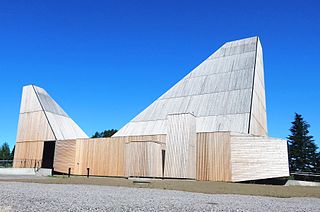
[254, 158]
[28, 154]
[105, 156]
[223, 156]
[144, 159]
[64, 157]
[220, 156]
[213, 156]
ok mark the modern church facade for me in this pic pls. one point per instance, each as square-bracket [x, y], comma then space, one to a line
[211, 125]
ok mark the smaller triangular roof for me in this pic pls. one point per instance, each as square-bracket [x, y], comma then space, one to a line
[42, 119]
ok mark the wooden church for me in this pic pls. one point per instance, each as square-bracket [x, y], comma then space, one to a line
[211, 125]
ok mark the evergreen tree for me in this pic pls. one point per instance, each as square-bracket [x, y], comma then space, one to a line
[302, 149]
[12, 152]
[104, 134]
[318, 163]
[5, 152]
[96, 135]
[108, 133]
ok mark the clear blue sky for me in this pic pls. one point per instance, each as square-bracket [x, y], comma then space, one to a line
[105, 61]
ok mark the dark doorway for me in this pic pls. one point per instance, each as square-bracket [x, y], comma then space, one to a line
[163, 161]
[48, 154]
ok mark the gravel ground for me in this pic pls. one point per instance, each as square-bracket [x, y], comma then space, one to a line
[16, 196]
[19, 177]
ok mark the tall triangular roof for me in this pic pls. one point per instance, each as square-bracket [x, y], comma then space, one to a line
[42, 119]
[225, 93]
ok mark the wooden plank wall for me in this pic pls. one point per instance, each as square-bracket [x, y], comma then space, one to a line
[258, 117]
[213, 156]
[34, 126]
[254, 158]
[157, 138]
[106, 156]
[180, 159]
[64, 157]
[219, 156]
[28, 154]
[103, 156]
[143, 159]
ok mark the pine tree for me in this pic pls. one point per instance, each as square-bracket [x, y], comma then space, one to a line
[104, 134]
[5, 152]
[96, 135]
[108, 133]
[318, 163]
[302, 149]
[12, 152]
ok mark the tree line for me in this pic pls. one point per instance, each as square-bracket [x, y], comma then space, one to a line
[5, 152]
[104, 134]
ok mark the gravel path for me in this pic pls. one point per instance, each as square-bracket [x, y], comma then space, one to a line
[16, 196]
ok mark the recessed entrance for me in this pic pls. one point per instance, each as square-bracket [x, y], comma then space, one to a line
[48, 154]
[163, 161]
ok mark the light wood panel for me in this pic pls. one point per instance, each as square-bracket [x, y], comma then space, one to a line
[64, 157]
[159, 138]
[29, 100]
[28, 154]
[104, 157]
[257, 157]
[180, 159]
[34, 127]
[213, 156]
[144, 159]
[258, 117]
[220, 156]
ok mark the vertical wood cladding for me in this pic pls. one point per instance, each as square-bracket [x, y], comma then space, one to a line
[180, 159]
[28, 154]
[218, 156]
[64, 157]
[107, 156]
[103, 156]
[143, 159]
[258, 115]
[213, 156]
